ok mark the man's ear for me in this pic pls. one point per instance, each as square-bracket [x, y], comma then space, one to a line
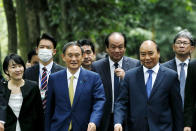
[192, 49]
[36, 49]
[63, 57]
[54, 51]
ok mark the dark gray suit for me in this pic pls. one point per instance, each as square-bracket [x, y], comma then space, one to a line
[171, 64]
[103, 68]
[32, 73]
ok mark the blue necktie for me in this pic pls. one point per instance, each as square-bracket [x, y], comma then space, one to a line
[149, 83]
[182, 81]
[116, 83]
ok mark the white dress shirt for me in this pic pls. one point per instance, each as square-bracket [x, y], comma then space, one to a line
[76, 77]
[154, 74]
[178, 62]
[112, 68]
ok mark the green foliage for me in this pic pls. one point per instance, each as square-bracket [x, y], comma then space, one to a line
[158, 20]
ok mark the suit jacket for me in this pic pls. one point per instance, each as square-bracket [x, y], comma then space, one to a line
[3, 105]
[32, 73]
[190, 96]
[162, 111]
[171, 64]
[87, 106]
[31, 117]
[103, 68]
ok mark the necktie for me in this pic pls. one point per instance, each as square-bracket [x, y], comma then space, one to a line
[149, 83]
[44, 84]
[71, 96]
[71, 90]
[182, 81]
[116, 83]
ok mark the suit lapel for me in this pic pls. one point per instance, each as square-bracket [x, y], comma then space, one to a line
[125, 64]
[80, 85]
[63, 83]
[141, 82]
[53, 68]
[25, 92]
[36, 73]
[158, 81]
[173, 65]
[107, 77]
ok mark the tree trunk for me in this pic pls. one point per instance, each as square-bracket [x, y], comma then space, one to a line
[44, 16]
[66, 23]
[32, 22]
[11, 26]
[22, 29]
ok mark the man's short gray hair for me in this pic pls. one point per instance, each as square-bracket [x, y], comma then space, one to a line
[185, 33]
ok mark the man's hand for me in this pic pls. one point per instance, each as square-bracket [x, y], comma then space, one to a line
[1, 126]
[91, 127]
[118, 127]
[187, 129]
[120, 72]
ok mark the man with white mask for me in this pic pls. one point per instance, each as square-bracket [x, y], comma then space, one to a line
[46, 49]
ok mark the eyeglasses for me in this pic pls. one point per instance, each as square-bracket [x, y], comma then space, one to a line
[182, 42]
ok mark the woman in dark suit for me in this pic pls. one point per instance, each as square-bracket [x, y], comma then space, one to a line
[24, 106]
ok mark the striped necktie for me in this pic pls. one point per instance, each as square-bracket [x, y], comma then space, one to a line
[44, 84]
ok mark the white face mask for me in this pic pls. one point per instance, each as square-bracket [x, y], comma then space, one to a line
[44, 54]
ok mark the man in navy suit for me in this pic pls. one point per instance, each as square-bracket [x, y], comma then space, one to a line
[150, 95]
[115, 47]
[75, 97]
[183, 46]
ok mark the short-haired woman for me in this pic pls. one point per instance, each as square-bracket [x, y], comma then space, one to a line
[24, 106]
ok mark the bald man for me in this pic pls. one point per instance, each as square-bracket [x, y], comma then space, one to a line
[112, 70]
[150, 95]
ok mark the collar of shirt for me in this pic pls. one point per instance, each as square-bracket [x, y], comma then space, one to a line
[112, 63]
[76, 75]
[48, 67]
[155, 69]
[154, 74]
[75, 81]
[178, 62]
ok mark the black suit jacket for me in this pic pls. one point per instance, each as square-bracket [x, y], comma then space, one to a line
[103, 68]
[2, 101]
[32, 73]
[190, 96]
[171, 64]
[31, 117]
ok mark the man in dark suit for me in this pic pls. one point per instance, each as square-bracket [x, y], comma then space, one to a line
[46, 49]
[75, 96]
[150, 95]
[183, 46]
[89, 53]
[112, 69]
[190, 98]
